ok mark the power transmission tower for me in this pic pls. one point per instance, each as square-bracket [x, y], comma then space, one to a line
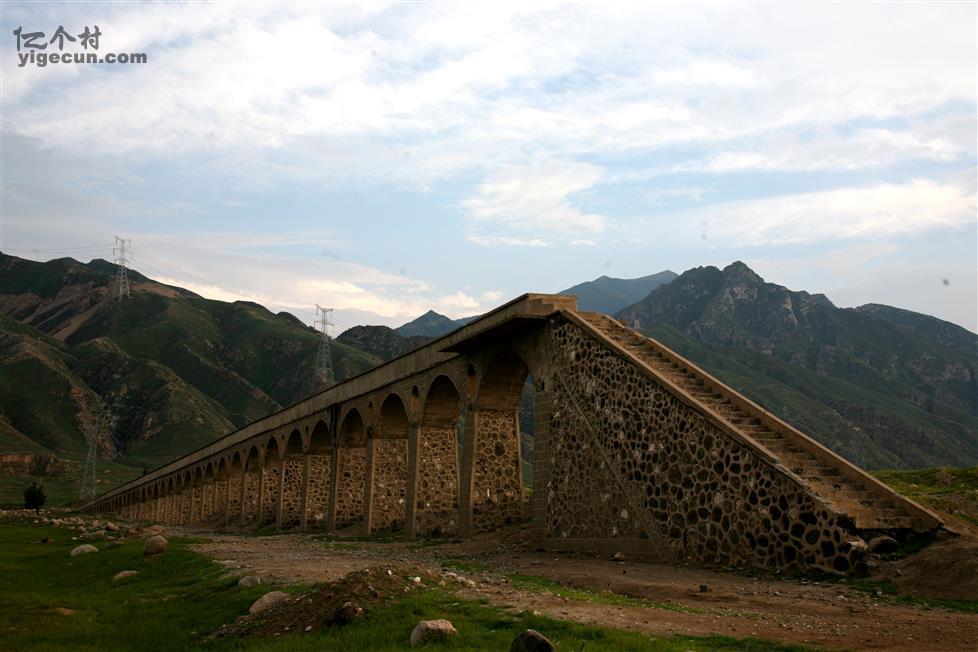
[89, 473]
[123, 256]
[324, 363]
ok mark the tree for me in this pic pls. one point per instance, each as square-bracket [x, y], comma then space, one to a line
[34, 496]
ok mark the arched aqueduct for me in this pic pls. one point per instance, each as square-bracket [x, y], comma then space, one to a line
[635, 449]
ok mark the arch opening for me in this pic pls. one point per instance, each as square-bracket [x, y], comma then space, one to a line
[293, 475]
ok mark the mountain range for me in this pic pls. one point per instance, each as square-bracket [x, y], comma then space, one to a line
[166, 371]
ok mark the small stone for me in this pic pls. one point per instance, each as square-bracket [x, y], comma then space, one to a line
[155, 545]
[249, 581]
[83, 549]
[308, 628]
[121, 575]
[267, 600]
[416, 581]
[347, 613]
[618, 556]
[531, 640]
[432, 630]
[111, 527]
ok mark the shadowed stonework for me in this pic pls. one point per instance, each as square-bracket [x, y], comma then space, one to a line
[634, 449]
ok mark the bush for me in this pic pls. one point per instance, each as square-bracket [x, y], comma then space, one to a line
[34, 496]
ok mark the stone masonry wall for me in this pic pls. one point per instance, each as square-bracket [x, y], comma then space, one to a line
[629, 459]
[437, 493]
[390, 476]
[270, 497]
[249, 506]
[292, 490]
[319, 481]
[349, 491]
[497, 496]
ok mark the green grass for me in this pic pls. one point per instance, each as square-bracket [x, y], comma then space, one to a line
[949, 489]
[539, 584]
[63, 490]
[885, 590]
[181, 596]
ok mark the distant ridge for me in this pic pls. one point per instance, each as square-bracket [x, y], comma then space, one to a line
[609, 295]
[432, 324]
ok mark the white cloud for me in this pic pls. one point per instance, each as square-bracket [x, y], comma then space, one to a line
[535, 200]
[879, 211]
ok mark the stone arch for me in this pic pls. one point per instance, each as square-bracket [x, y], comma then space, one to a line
[388, 456]
[232, 511]
[497, 464]
[351, 469]
[436, 493]
[320, 460]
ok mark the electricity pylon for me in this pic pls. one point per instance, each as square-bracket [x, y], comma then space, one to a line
[89, 473]
[123, 256]
[324, 363]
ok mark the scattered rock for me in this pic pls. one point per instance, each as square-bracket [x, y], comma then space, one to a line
[531, 640]
[883, 544]
[618, 556]
[155, 545]
[308, 628]
[347, 613]
[267, 600]
[249, 581]
[121, 575]
[111, 527]
[83, 549]
[154, 530]
[432, 630]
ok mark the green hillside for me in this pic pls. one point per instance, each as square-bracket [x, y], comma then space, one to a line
[881, 386]
[166, 370]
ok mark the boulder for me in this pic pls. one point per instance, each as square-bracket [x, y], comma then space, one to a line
[432, 630]
[267, 600]
[83, 549]
[883, 544]
[249, 581]
[153, 530]
[618, 556]
[111, 527]
[530, 640]
[121, 575]
[347, 613]
[155, 545]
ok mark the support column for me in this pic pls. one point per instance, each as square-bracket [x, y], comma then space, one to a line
[304, 504]
[368, 485]
[542, 409]
[280, 490]
[411, 490]
[466, 472]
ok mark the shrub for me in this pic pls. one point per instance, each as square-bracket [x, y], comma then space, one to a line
[34, 496]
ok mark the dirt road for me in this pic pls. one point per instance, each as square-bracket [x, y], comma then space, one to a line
[830, 615]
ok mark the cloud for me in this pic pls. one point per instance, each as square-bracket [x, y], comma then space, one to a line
[879, 211]
[534, 200]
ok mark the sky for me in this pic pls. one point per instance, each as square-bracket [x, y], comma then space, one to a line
[385, 159]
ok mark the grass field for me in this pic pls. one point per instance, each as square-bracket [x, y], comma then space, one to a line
[951, 490]
[51, 601]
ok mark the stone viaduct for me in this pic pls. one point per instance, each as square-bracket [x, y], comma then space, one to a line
[634, 449]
